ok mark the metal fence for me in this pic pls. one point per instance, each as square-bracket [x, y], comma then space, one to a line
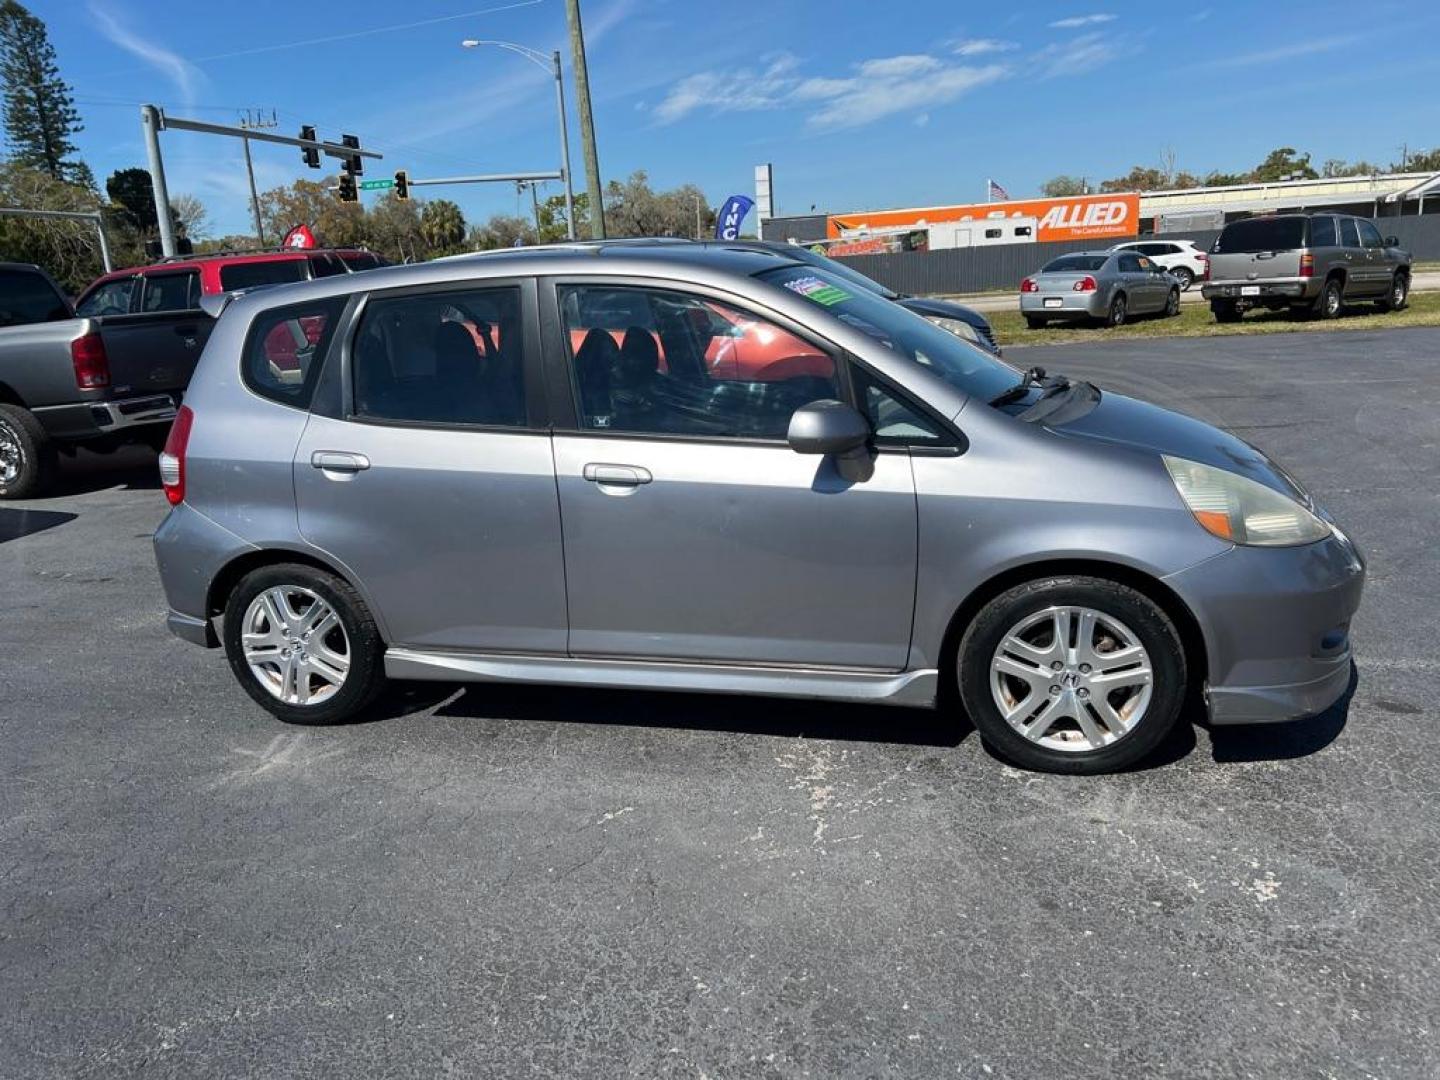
[983, 269]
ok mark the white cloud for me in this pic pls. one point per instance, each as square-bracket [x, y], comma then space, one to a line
[1074, 22]
[1286, 52]
[878, 88]
[1077, 56]
[183, 74]
[982, 46]
[742, 90]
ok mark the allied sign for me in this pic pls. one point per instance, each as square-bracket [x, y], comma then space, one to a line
[1079, 217]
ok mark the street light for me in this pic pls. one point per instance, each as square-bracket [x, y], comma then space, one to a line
[551, 64]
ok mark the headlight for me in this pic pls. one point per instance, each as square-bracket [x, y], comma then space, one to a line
[959, 327]
[1240, 510]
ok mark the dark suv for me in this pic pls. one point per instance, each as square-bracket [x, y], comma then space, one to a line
[1310, 263]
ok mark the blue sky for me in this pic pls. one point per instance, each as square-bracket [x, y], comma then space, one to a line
[858, 104]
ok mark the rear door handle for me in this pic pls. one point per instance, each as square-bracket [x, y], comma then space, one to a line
[339, 461]
[626, 475]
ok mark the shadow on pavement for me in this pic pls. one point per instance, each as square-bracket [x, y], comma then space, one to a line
[1287, 741]
[17, 523]
[689, 712]
[133, 468]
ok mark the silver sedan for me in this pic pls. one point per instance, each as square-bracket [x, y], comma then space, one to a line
[1108, 286]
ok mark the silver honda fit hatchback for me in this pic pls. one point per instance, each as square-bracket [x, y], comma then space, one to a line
[692, 467]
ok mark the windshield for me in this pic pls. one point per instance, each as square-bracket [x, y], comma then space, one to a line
[839, 269]
[1086, 263]
[1262, 234]
[964, 366]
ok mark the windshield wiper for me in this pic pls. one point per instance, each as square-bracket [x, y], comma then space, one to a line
[1036, 376]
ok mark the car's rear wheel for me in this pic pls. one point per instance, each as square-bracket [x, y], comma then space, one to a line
[1398, 296]
[1226, 311]
[1172, 304]
[303, 644]
[1118, 312]
[1072, 674]
[1035, 323]
[27, 455]
[1186, 277]
[1331, 301]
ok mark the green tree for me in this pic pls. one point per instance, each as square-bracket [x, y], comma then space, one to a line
[314, 203]
[393, 228]
[39, 112]
[633, 208]
[70, 250]
[1060, 186]
[501, 231]
[1139, 178]
[442, 226]
[553, 221]
[1283, 164]
[130, 190]
[1335, 167]
[1422, 161]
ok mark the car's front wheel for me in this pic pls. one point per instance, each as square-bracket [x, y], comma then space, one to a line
[303, 644]
[1072, 674]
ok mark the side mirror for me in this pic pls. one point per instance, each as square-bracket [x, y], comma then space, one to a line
[1392, 241]
[827, 427]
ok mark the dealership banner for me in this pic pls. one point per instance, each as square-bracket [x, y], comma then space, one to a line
[1080, 217]
[727, 222]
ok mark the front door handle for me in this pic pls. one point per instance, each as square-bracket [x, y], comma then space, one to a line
[625, 475]
[339, 461]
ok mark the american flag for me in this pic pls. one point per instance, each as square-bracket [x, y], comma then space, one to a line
[996, 191]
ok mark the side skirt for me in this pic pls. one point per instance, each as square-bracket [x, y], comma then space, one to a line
[912, 688]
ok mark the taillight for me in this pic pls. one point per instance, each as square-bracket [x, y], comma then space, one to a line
[172, 458]
[92, 366]
[1086, 284]
[1200, 256]
[1029, 285]
[1307, 264]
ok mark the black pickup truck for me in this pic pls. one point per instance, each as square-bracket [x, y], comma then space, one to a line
[68, 382]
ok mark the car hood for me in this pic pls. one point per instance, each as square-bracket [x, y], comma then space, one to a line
[1125, 421]
[942, 309]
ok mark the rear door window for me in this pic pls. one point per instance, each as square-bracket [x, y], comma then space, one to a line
[26, 297]
[1261, 234]
[286, 344]
[1130, 263]
[171, 292]
[250, 275]
[1322, 232]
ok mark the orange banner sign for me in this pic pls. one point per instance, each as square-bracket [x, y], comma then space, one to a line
[1080, 217]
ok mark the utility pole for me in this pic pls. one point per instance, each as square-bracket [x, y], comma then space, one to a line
[587, 119]
[248, 122]
[150, 124]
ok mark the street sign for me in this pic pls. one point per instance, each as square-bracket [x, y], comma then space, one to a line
[376, 185]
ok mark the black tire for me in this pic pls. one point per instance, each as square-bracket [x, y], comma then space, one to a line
[28, 460]
[1119, 310]
[365, 677]
[1226, 311]
[1186, 276]
[1150, 625]
[1398, 298]
[1330, 304]
[1035, 324]
[1172, 304]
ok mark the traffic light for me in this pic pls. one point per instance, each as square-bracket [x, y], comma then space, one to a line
[309, 153]
[402, 184]
[347, 189]
[354, 164]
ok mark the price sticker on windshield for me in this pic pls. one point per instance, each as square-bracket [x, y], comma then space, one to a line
[821, 292]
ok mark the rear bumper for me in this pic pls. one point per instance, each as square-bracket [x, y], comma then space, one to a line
[1086, 305]
[1276, 623]
[1290, 290]
[191, 629]
[91, 419]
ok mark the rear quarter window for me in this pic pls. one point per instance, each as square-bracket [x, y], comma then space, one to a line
[26, 297]
[285, 348]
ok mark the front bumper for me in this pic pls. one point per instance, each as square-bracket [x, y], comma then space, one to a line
[91, 419]
[1276, 623]
[1260, 291]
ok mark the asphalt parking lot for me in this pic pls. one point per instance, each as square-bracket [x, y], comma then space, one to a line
[541, 882]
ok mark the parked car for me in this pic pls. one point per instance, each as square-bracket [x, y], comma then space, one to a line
[96, 383]
[1183, 258]
[413, 503]
[1104, 286]
[1312, 264]
[177, 284]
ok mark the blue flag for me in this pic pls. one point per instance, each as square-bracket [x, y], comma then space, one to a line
[727, 223]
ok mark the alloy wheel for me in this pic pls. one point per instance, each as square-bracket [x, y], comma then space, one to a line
[12, 454]
[1071, 678]
[295, 645]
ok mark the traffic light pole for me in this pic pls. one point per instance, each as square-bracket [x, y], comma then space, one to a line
[152, 122]
[489, 178]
